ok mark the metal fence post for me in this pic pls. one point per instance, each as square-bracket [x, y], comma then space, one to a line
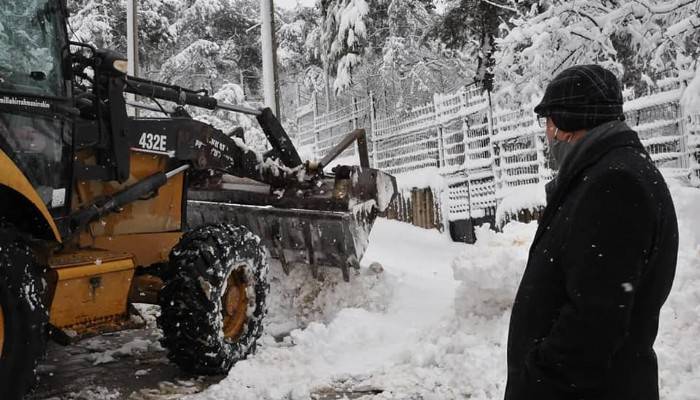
[465, 139]
[355, 113]
[316, 132]
[464, 128]
[297, 117]
[373, 127]
[491, 124]
[683, 131]
[439, 128]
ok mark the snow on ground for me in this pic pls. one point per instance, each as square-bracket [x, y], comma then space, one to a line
[678, 343]
[355, 341]
[136, 346]
[433, 324]
[691, 95]
[464, 356]
[94, 393]
[528, 197]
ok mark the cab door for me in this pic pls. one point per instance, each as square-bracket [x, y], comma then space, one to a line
[35, 122]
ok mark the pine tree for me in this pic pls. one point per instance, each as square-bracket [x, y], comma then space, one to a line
[386, 50]
[300, 64]
[473, 26]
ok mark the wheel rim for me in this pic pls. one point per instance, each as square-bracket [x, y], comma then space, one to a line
[2, 330]
[235, 305]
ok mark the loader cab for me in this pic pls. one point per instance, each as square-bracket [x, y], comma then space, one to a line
[35, 130]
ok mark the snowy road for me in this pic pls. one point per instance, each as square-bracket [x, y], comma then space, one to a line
[349, 331]
[430, 324]
[384, 317]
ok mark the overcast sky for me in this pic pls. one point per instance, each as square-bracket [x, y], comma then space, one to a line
[291, 3]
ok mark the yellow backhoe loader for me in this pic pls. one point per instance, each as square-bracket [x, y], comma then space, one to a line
[99, 210]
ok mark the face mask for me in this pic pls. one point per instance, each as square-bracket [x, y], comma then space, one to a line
[558, 150]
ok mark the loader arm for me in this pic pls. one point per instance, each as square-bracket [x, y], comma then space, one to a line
[194, 142]
[291, 183]
[271, 126]
[303, 212]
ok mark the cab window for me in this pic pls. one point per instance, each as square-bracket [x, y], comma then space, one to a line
[30, 51]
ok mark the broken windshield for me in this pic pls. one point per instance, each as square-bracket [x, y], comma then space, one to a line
[30, 53]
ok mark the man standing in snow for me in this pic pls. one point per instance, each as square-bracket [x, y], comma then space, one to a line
[603, 259]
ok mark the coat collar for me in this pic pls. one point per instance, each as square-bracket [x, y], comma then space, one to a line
[596, 143]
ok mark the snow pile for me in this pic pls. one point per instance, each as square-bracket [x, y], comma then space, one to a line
[137, 346]
[678, 343]
[298, 299]
[529, 197]
[167, 391]
[490, 271]
[348, 343]
[92, 393]
[458, 359]
[147, 313]
[465, 355]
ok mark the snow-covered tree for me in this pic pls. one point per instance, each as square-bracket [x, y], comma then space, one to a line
[472, 27]
[637, 39]
[343, 39]
[297, 35]
[101, 23]
[216, 33]
[194, 43]
[226, 121]
[384, 46]
[198, 44]
[298, 56]
[195, 66]
[412, 62]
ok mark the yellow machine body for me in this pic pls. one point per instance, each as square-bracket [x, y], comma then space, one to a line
[92, 276]
[90, 290]
[13, 178]
[148, 228]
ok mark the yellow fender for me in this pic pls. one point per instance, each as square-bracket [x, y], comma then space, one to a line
[14, 179]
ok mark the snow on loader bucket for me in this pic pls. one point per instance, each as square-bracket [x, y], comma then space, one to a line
[321, 220]
[303, 213]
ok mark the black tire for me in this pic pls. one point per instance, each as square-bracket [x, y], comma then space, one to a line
[24, 315]
[192, 300]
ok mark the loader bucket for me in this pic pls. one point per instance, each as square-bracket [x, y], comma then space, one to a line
[315, 228]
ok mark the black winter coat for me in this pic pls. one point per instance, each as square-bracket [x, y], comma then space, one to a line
[601, 265]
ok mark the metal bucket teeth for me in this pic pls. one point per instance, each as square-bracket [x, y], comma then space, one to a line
[322, 222]
[293, 236]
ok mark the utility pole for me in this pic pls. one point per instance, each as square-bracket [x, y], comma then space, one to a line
[132, 37]
[269, 56]
[132, 40]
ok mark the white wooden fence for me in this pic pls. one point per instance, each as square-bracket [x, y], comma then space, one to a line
[486, 153]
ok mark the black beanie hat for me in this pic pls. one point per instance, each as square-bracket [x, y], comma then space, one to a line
[582, 97]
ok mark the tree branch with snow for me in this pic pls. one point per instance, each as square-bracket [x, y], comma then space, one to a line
[653, 33]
